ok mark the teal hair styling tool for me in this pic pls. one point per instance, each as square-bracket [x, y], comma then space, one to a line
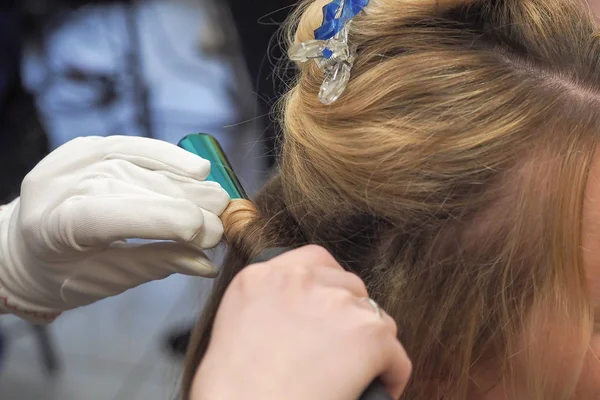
[207, 147]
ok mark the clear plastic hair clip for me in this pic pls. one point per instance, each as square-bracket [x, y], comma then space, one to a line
[330, 49]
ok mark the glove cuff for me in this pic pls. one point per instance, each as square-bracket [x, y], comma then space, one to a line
[10, 305]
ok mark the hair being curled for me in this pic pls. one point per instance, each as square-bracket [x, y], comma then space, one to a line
[450, 176]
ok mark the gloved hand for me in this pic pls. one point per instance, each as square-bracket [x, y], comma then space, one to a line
[62, 244]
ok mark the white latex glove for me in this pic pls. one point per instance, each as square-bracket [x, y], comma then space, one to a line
[62, 244]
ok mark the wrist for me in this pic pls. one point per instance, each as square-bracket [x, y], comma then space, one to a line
[10, 302]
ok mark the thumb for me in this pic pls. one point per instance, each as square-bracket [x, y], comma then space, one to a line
[124, 266]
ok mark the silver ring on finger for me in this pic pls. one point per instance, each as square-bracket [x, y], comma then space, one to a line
[374, 305]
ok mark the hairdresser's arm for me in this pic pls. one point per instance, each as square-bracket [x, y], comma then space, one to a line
[62, 244]
[299, 327]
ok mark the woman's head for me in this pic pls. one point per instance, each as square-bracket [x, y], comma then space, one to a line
[452, 176]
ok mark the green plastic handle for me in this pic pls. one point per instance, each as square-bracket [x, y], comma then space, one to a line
[207, 147]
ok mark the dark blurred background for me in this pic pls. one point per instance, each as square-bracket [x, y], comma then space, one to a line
[153, 68]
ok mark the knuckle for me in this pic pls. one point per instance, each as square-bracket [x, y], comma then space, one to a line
[338, 299]
[295, 277]
[222, 196]
[241, 280]
[358, 283]
[112, 165]
[212, 233]
[318, 255]
[186, 233]
[101, 185]
[214, 197]
[186, 224]
[72, 206]
[202, 166]
[199, 169]
[335, 305]
[317, 251]
[379, 329]
[249, 278]
[391, 324]
[302, 274]
[404, 362]
[344, 299]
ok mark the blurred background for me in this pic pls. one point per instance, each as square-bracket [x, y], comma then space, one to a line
[155, 68]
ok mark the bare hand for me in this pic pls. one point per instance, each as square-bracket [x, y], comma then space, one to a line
[299, 327]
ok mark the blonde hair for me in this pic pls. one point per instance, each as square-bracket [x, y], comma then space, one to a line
[450, 176]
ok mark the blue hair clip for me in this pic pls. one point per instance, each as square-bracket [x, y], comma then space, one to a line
[333, 22]
[330, 48]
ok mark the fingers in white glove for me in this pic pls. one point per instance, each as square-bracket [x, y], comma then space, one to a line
[155, 156]
[93, 192]
[210, 233]
[147, 153]
[208, 195]
[96, 220]
[124, 266]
